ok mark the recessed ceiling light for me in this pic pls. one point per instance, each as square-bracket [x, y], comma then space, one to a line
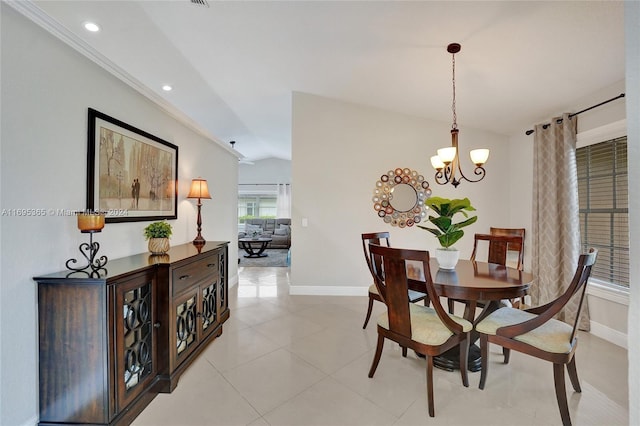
[91, 26]
[167, 88]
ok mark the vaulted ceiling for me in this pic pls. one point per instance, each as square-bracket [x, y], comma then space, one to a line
[233, 65]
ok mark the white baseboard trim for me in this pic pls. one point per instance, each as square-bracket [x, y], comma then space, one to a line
[609, 334]
[315, 290]
[33, 421]
[233, 280]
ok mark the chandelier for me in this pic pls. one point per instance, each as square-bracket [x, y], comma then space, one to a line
[447, 163]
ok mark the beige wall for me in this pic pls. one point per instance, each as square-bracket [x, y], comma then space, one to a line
[339, 152]
[46, 90]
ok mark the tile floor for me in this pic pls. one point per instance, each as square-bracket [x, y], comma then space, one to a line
[303, 360]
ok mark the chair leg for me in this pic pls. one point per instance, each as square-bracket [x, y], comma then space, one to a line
[426, 301]
[484, 353]
[376, 357]
[573, 375]
[507, 353]
[404, 351]
[432, 412]
[561, 393]
[464, 359]
[366, 320]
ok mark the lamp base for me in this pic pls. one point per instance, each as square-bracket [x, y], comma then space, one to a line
[199, 240]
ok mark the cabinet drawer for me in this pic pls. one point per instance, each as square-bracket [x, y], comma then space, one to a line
[184, 277]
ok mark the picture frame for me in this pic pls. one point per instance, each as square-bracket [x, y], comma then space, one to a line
[132, 175]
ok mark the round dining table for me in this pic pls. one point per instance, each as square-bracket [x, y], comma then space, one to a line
[474, 282]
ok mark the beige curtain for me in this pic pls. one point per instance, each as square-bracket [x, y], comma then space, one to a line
[556, 225]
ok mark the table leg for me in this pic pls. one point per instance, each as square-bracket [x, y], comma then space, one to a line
[252, 251]
[450, 360]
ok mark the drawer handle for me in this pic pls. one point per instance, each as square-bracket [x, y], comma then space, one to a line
[211, 265]
[184, 277]
[156, 325]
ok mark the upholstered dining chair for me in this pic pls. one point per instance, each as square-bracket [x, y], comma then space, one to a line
[498, 247]
[429, 331]
[535, 332]
[379, 238]
[513, 247]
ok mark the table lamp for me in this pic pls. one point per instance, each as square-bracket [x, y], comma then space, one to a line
[199, 190]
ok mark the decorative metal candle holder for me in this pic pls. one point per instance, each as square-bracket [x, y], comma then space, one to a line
[90, 223]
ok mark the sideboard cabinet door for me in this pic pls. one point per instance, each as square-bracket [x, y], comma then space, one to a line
[136, 338]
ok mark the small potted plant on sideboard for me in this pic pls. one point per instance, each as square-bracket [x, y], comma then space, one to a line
[158, 234]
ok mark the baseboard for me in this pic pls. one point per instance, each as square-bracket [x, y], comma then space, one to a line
[233, 280]
[609, 334]
[315, 290]
[31, 422]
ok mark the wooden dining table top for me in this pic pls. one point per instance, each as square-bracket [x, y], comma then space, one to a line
[472, 280]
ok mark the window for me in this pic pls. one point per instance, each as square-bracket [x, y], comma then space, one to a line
[256, 205]
[603, 199]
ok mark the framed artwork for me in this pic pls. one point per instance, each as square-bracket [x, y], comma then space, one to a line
[132, 175]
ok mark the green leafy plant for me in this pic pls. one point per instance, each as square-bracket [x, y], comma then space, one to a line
[447, 232]
[158, 230]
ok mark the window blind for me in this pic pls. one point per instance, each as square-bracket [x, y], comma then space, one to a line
[604, 210]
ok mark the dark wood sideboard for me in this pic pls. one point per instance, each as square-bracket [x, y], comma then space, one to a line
[109, 345]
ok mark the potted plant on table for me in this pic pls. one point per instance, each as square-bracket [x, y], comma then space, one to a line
[448, 232]
[158, 234]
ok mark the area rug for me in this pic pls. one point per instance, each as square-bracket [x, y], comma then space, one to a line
[275, 257]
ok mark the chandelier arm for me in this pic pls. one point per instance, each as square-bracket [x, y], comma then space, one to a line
[478, 171]
[442, 177]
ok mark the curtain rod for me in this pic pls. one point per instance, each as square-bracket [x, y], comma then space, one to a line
[544, 126]
[266, 184]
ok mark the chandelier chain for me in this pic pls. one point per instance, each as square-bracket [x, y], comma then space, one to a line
[453, 104]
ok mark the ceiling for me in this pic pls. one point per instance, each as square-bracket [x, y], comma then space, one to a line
[234, 64]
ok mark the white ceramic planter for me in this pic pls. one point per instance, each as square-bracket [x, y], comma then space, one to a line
[447, 258]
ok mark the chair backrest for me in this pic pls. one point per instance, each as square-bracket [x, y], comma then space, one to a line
[390, 274]
[499, 246]
[549, 310]
[518, 248]
[373, 238]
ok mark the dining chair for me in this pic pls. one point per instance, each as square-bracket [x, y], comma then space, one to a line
[377, 238]
[535, 332]
[429, 331]
[498, 248]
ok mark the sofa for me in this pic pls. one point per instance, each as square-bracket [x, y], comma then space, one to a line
[279, 230]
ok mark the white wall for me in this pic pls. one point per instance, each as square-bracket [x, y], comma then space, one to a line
[267, 171]
[46, 90]
[632, 47]
[339, 151]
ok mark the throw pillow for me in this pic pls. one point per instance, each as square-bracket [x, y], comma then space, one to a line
[281, 231]
[286, 228]
[253, 229]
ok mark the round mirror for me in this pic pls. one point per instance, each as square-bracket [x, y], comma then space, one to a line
[404, 197]
[399, 197]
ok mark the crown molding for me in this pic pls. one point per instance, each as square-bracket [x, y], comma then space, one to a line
[34, 13]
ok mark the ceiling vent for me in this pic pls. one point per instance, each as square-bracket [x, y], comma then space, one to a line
[200, 3]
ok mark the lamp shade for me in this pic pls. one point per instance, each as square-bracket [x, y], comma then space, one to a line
[479, 156]
[447, 154]
[437, 163]
[199, 189]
